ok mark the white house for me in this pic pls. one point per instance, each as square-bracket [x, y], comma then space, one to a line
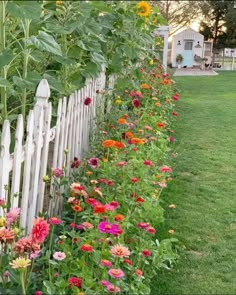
[191, 45]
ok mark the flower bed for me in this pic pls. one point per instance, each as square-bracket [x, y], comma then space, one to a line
[106, 239]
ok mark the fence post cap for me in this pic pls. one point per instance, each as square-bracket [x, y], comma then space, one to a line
[43, 92]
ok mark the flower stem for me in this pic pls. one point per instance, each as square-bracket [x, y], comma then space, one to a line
[22, 283]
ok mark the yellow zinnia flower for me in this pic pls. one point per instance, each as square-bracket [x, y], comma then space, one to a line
[20, 262]
[144, 9]
[58, 2]
[2, 221]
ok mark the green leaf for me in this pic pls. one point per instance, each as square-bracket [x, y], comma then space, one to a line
[90, 70]
[4, 83]
[5, 57]
[98, 58]
[24, 9]
[44, 41]
[54, 83]
[49, 286]
[22, 83]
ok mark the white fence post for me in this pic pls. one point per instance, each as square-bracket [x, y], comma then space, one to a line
[42, 95]
[5, 160]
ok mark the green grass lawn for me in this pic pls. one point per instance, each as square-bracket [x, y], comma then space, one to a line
[203, 190]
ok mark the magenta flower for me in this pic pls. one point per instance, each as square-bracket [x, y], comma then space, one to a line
[105, 283]
[116, 273]
[106, 263]
[109, 228]
[87, 101]
[148, 163]
[113, 289]
[54, 220]
[93, 162]
[165, 169]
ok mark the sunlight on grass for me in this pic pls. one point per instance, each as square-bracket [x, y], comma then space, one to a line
[203, 189]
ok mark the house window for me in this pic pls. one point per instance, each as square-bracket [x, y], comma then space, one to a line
[188, 45]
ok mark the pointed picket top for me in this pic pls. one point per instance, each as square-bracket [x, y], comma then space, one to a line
[43, 92]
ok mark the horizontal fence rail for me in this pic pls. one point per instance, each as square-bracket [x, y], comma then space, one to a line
[39, 146]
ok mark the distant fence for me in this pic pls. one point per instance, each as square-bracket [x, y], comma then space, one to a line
[21, 173]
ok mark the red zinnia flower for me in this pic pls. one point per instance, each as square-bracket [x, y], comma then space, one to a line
[174, 114]
[134, 179]
[127, 261]
[74, 281]
[99, 209]
[146, 252]
[86, 248]
[161, 125]
[87, 101]
[138, 272]
[136, 103]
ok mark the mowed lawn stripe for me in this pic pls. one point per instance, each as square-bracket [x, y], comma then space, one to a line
[203, 190]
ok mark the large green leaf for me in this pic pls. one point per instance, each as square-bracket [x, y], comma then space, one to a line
[44, 41]
[54, 83]
[22, 83]
[5, 57]
[91, 70]
[24, 9]
[98, 58]
[4, 83]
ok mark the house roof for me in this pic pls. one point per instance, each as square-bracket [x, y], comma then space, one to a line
[189, 30]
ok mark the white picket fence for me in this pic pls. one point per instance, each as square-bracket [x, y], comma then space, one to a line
[21, 173]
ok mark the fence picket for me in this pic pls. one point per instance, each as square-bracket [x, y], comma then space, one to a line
[44, 161]
[35, 168]
[29, 148]
[62, 134]
[16, 177]
[5, 160]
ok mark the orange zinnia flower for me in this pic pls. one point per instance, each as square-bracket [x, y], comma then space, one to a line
[136, 140]
[119, 145]
[122, 121]
[108, 143]
[77, 208]
[129, 134]
[145, 86]
[119, 217]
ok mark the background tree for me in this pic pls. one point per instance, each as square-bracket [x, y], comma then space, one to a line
[179, 14]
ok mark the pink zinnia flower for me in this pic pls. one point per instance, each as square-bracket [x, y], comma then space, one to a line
[12, 216]
[58, 172]
[25, 245]
[38, 292]
[86, 248]
[143, 225]
[87, 101]
[120, 251]
[106, 263]
[113, 289]
[162, 184]
[150, 230]
[148, 163]
[165, 169]
[175, 97]
[93, 162]
[2, 203]
[40, 230]
[112, 206]
[105, 283]
[146, 252]
[109, 228]
[116, 273]
[122, 164]
[59, 256]
[148, 128]
[87, 225]
[54, 220]
[171, 139]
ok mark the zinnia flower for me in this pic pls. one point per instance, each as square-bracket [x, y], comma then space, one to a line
[148, 163]
[20, 262]
[121, 121]
[74, 281]
[108, 228]
[75, 163]
[138, 272]
[116, 273]
[136, 103]
[108, 143]
[93, 162]
[144, 9]
[59, 256]
[25, 245]
[106, 263]
[113, 289]
[120, 251]
[99, 209]
[6, 235]
[57, 172]
[54, 220]
[77, 188]
[127, 261]
[134, 179]
[119, 145]
[165, 169]
[119, 217]
[87, 101]
[39, 292]
[12, 216]
[122, 164]
[105, 283]
[86, 248]
[161, 125]
[146, 252]
[40, 230]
